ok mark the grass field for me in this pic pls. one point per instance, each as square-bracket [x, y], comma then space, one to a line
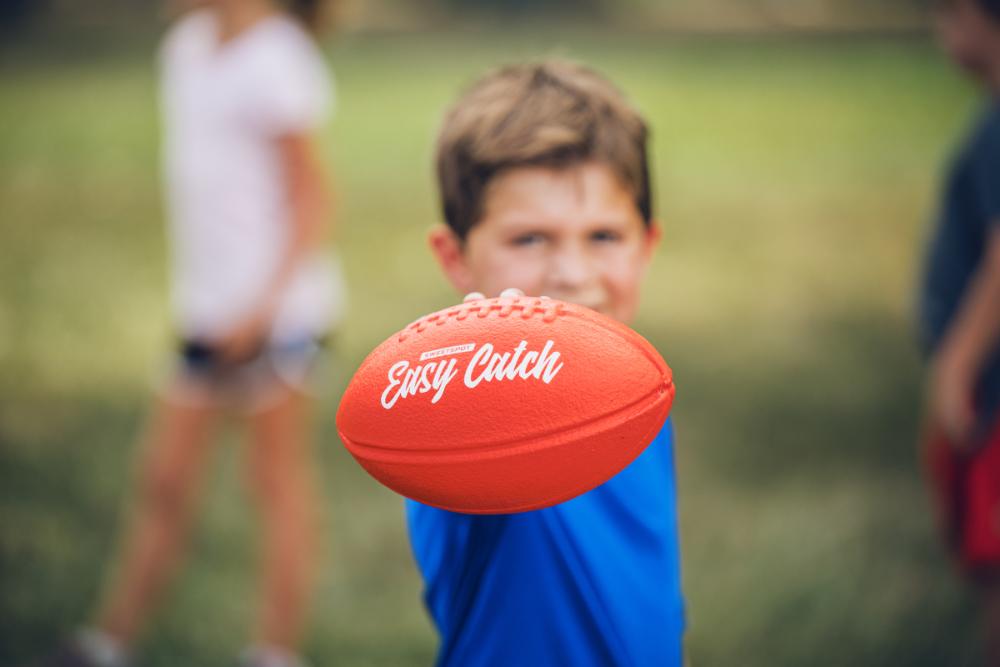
[795, 178]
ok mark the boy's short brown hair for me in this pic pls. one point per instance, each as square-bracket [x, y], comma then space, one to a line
[550, 114]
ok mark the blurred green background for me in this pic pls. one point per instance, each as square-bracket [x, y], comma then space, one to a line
[796, 168]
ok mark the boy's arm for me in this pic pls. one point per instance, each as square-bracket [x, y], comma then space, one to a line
[968, 344]
[309, 205]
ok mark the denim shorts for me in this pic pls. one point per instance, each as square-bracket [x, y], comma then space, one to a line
[200, 376]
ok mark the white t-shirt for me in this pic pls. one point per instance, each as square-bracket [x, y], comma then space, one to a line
[224, 106]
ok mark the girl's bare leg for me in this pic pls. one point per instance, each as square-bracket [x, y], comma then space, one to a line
[280, 470]
[169, 473]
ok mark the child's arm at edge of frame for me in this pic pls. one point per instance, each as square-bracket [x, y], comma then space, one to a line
[970, 340]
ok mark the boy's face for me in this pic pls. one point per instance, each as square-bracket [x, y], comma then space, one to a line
[573, 234]
[971, 38]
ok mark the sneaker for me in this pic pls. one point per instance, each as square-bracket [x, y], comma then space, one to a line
[262, 655]
[89, 648]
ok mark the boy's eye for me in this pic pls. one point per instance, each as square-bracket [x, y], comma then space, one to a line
[527, 239]
[605, 236]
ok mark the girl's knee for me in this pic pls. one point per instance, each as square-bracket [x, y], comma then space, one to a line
[277, 487]
[166, 489]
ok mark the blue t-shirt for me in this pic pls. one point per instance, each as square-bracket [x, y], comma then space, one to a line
[970, 212]
[591, 582]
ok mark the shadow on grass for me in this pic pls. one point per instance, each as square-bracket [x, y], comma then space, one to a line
[845, 400]
[808, 536]
[65, 477]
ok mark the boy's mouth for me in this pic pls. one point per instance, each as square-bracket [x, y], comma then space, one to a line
[599, 306]
[593, 301]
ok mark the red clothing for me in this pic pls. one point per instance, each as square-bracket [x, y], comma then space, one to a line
[966, 486]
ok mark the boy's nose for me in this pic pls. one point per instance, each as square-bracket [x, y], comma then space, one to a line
[570, 268]
[574, 277]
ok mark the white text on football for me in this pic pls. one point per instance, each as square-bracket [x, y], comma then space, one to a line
[485, 365]
[539, 365]
[418, 380]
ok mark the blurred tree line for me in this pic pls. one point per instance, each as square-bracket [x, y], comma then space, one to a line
[362, 15]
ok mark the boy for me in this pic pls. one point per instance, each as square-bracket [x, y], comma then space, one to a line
[545, 188]
[961, 320]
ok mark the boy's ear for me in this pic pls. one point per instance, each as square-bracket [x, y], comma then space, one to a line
[450, 254]
[653, 235]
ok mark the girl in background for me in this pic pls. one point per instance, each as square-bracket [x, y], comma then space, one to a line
[244, 90]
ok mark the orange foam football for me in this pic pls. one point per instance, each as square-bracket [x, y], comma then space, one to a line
[505, 405]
